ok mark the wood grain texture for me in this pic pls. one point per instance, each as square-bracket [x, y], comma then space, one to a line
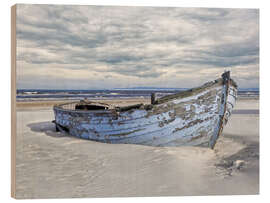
[13, 101]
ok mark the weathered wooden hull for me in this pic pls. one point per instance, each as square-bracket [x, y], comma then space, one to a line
[195, 117]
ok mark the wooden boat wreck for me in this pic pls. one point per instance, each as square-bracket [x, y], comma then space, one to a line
[193, 117]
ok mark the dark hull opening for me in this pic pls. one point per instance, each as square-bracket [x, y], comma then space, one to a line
[89, 107]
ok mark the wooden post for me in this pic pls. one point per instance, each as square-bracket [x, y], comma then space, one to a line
[153, 98]
[226, 76]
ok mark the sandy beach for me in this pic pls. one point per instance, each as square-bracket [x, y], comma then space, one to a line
[52, 165]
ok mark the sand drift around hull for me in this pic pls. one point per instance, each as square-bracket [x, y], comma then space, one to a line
[195, 117]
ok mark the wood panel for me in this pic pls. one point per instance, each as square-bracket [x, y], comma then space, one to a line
[13, 101]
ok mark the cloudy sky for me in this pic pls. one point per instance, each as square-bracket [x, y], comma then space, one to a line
[96, 47]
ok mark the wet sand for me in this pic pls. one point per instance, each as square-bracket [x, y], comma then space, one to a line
[52, 165]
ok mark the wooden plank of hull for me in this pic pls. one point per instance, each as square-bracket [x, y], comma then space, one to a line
[170, 137]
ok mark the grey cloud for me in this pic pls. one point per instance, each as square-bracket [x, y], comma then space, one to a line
[221, 62]
[248, 47]
[44, 39]
[209, 15]
[116, 59]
